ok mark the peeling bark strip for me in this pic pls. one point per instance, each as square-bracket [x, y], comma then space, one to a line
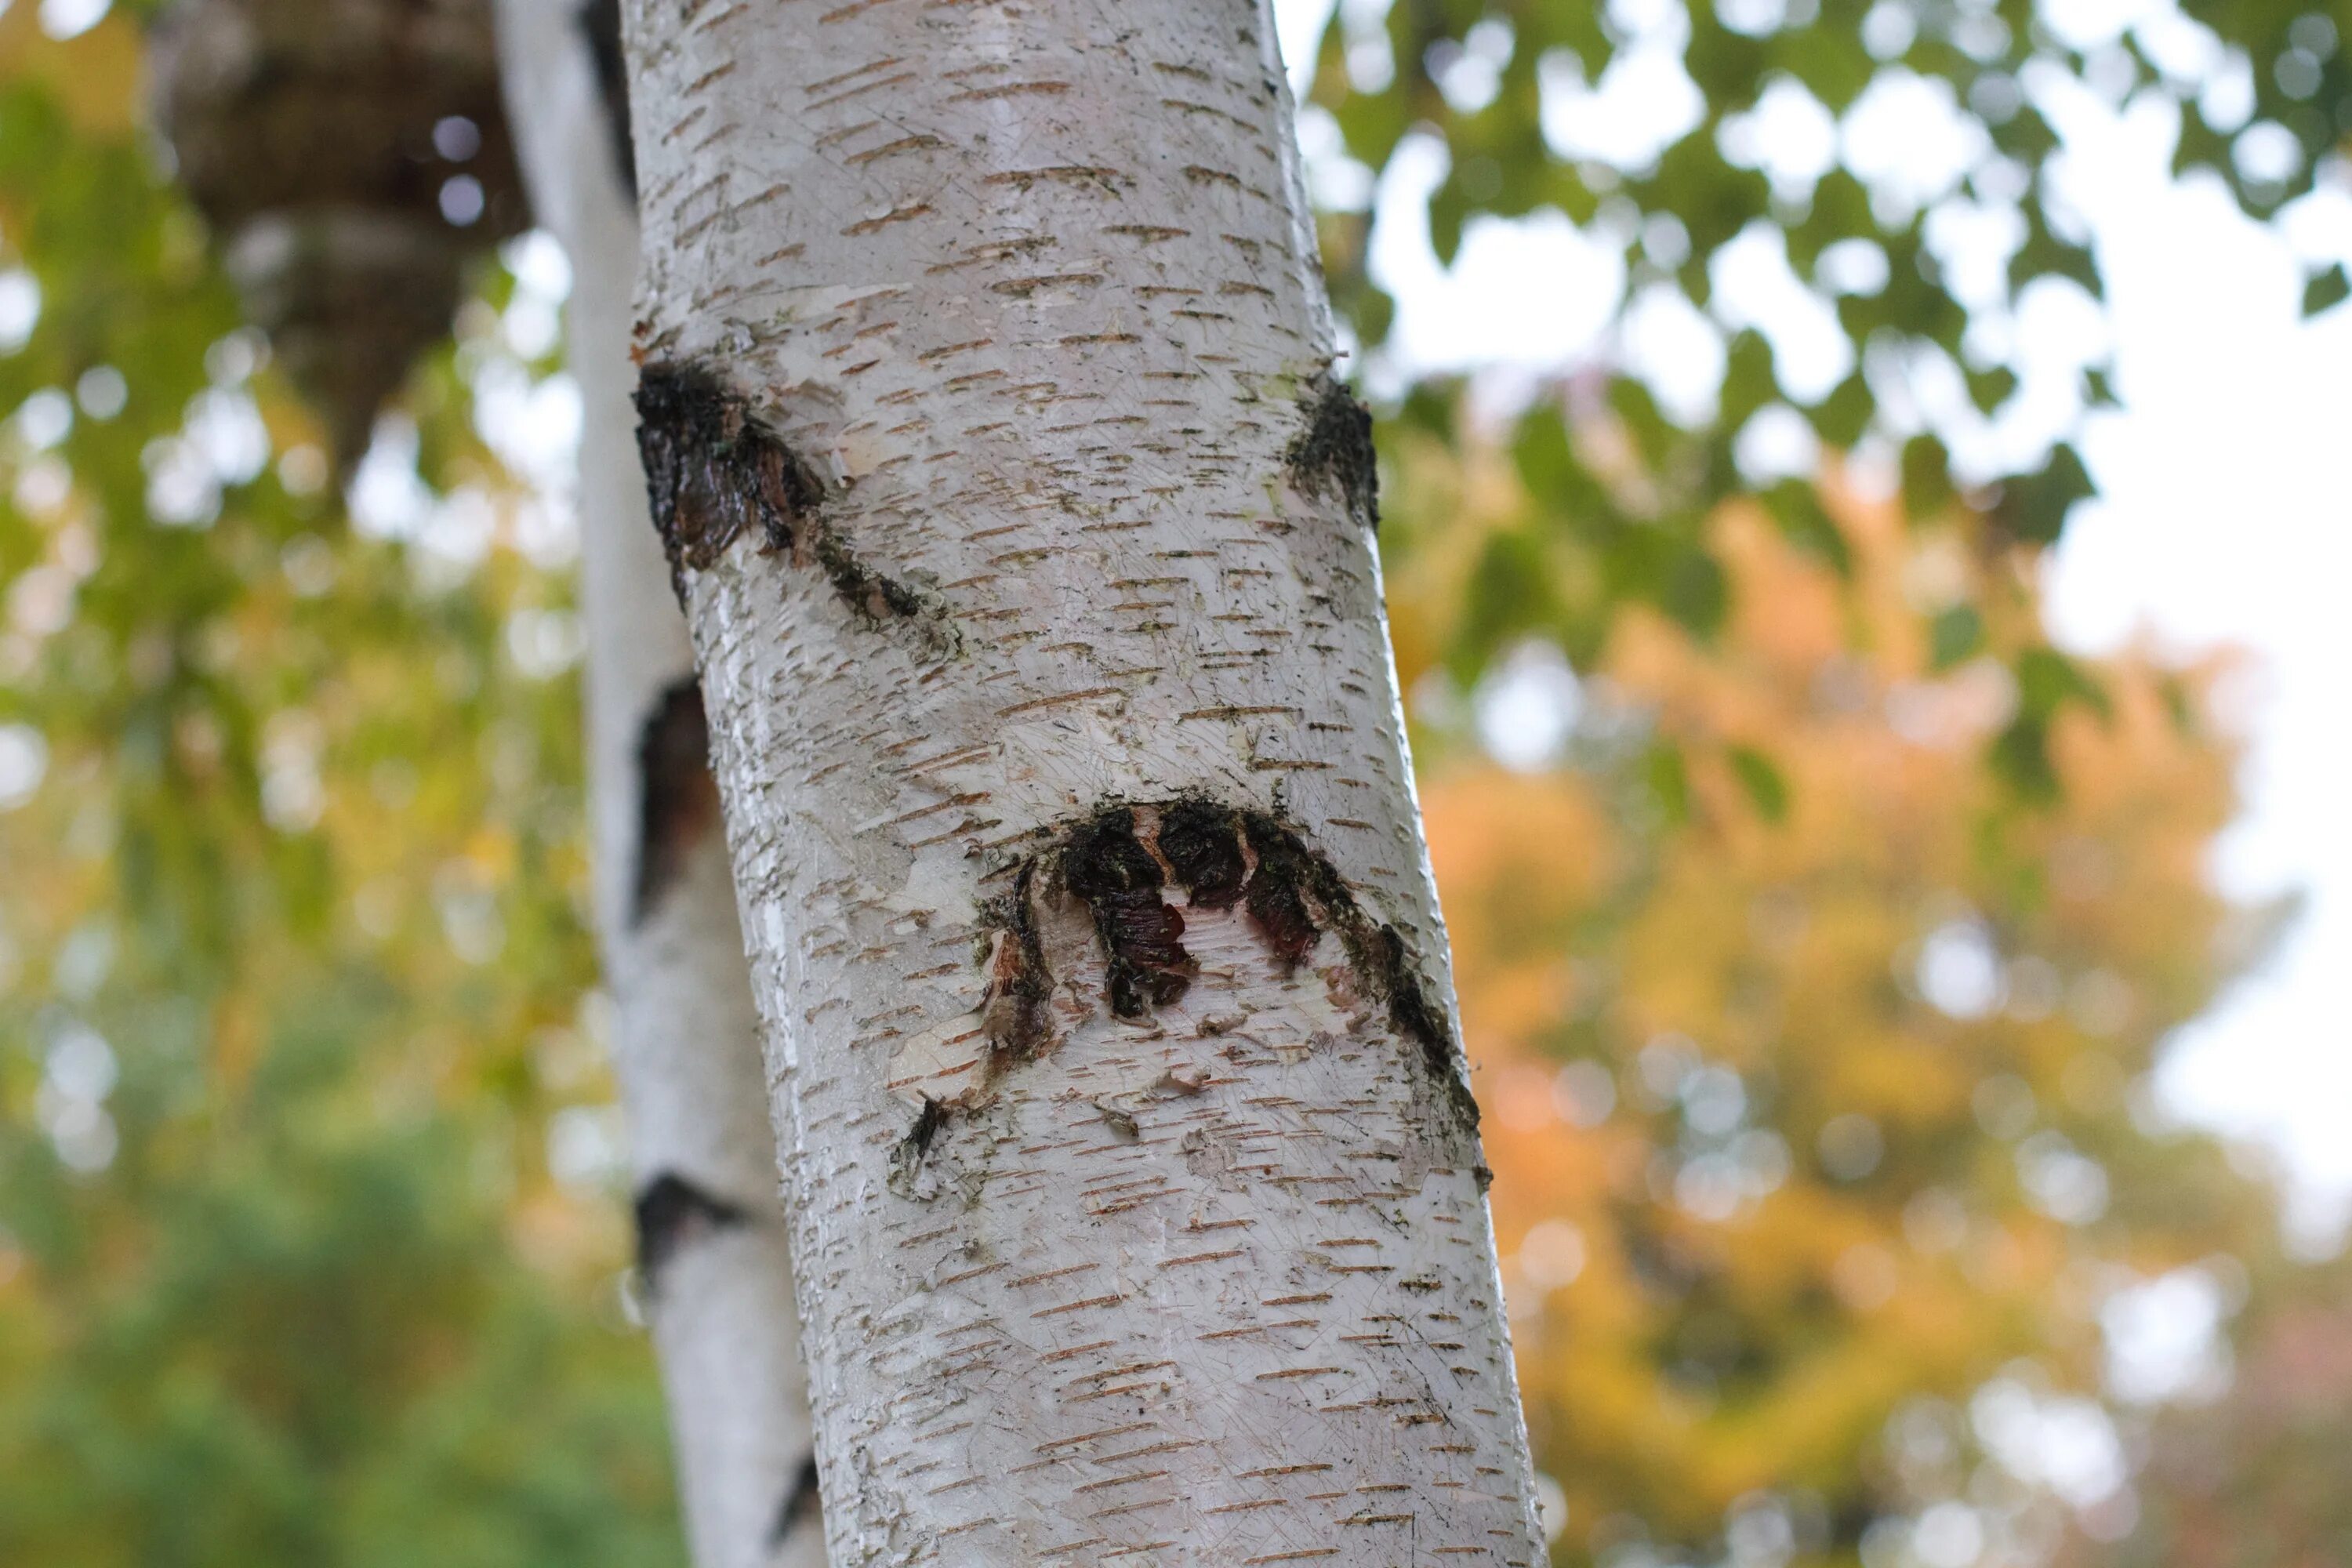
[672, 1212]
[1014, 1019]
[677, 799]
[1334, 453]
[713, 470]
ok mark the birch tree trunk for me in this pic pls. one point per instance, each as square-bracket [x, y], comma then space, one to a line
[713, 1267]
[989, 413]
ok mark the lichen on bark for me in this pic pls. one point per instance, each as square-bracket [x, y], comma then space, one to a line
[1334, 455]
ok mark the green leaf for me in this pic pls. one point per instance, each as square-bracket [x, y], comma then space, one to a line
[1667, 782]
[2326, 289]
[1511, 592]
[1797, 507]
[1766, 789]
[2034, 506]
[1546, 464]
[2019, 757]
[1955, 634]
[1697, 592]
[1449, 209]
[1429, 407]
[1844, 415]
[1987, 389]
[1926, 477]
[2047, 680]
[1747, 380]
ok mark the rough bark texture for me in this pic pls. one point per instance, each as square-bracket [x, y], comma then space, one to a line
[713, 1266]
[1023, 529]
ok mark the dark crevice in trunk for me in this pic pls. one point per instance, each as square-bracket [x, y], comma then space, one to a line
[713, 471]
[672, 1214]
[1107, 865]
[677, 798]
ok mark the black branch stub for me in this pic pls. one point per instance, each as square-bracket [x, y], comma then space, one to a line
[672, 1212]
[1123, 861]
[906, 1158]
[802, 1504]
[677, 800]
[600, 26]
[1334, 454]
[714, 472]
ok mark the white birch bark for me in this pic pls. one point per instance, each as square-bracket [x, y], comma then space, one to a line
[715, 1275]
[1024, 535]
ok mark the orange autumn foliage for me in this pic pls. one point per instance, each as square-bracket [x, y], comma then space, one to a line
[1872, 1055]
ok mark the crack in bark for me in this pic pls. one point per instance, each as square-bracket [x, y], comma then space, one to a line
[672, 1212]
[600, 23]
[802, 1503]
[677, 800]
[1334, 453]
[713, 470]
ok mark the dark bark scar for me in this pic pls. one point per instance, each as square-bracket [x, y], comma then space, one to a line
[1333, 454]
[714, 471]
[801, 1502]
[1122, 862]
[672, 1212]
[1106, 866]
[677, 801]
